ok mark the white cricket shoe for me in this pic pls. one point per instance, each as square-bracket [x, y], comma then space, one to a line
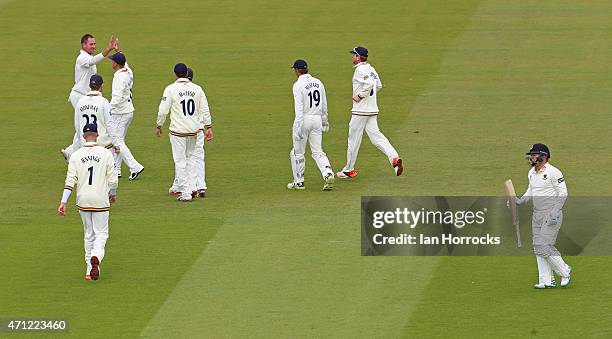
[296, 186]
[541, 286]
[135, 175]
[566, 280]
[329, 182]
[184, 198]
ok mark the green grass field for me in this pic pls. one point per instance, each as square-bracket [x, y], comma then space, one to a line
[469, 86]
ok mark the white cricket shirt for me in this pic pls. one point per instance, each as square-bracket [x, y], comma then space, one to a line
[92, 169]
[84, 68]
[366, 84]
[309, 98]
[547, 189]
[188, 108]
[121, 100]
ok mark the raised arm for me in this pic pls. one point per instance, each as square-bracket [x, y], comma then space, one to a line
[91, 60]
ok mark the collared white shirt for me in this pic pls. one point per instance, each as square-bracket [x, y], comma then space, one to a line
[366, 84]
[188, 108]
[84, 68]
[547, 188]
[309, 98]
[92, 169]
[121, 100]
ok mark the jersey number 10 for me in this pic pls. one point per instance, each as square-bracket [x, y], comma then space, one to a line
[188, 106]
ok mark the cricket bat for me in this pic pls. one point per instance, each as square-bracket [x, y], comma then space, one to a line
[511, 194]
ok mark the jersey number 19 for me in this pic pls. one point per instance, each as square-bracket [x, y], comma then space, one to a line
[315, 97]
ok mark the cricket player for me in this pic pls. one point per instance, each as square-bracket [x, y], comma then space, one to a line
[199, 158]
[93, 108]
[122, 113]
[84, 68]
[310, 121]
[188, 108]
[366, 85]
[548, 191]
[91, 169]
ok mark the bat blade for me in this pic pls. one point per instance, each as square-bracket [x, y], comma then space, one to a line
[511, 194]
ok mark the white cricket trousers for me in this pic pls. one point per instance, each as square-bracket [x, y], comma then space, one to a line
[544, 237]
[120, 124]
[76, 143]
[370, 124]
[200, 166]
[184, 163]
[95, 227]
[312, 132]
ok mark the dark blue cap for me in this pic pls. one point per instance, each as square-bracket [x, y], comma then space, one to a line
[96, 80]
[361, 51]
[300, 64]
[180, 70]
[539, 149]
[118, 58]
[190, 74]
[90, 128]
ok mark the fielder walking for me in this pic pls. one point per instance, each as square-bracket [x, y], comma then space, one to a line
[548, 191]
[366, 85]
[189, 110]
[310, 103]
[84, 68]
[91, 170]
[122, 113]
[200, 165]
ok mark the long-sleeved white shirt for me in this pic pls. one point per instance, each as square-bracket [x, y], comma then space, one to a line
[121, 100]
[309, 99]
[94, 108]
[366, 84]
[92, 170]
[188, 108]
[84, 68]
[546, 188]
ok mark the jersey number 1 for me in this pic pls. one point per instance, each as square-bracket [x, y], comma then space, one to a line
[90, 170]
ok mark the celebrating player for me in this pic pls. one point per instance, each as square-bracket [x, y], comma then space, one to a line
[188, 108]
[84, 68]
[122, 113]
[95, 109]
[366, 85]
[310, 121]
[548, 191]
[92, 170]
